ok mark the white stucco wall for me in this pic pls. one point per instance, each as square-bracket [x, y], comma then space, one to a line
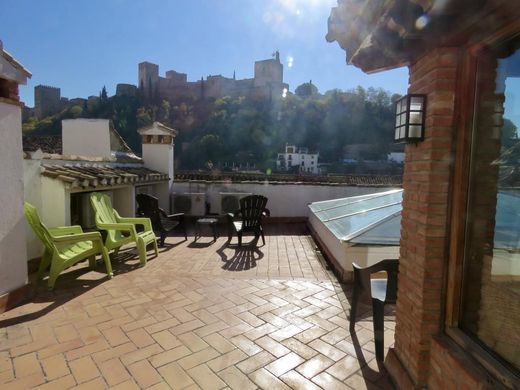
[124, 201]
[285, 200]
[33, 195]
[13, 254]
[55, 208]
[86, 137]
[159, 157]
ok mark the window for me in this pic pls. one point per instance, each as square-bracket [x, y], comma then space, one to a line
[489, 310]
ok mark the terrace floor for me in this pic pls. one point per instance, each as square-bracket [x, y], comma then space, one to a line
[201, 315]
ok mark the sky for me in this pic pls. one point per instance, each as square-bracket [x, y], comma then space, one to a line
[82, 45]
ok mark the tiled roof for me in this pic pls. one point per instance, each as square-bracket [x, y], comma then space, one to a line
[52, 146]
[352, 180]
[94, 175]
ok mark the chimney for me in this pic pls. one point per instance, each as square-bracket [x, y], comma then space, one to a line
[157, 140]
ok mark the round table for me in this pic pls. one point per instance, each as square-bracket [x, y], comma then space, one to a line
[207, 222]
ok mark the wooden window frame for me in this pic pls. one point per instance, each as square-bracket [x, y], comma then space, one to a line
[467, 96]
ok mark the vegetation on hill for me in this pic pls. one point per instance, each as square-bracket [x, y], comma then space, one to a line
[239, 130]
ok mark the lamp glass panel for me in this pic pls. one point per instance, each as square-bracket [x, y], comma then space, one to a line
[403, 118]
[416, 103]
[414, 131]
[416, 118]
[402, 132]
[396, 135]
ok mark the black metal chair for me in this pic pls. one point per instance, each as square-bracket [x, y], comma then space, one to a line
[248, 218]
[148, 206]
[379, 291]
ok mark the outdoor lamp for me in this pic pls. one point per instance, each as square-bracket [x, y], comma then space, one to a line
[410, 115]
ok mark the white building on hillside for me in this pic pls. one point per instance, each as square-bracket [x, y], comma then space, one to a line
[297, 159]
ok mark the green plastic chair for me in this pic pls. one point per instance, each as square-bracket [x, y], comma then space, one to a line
[65, 246]
[107, 218]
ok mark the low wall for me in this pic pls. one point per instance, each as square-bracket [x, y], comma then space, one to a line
[285, 199]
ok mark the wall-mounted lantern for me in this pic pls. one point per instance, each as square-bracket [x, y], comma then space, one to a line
[410, 113]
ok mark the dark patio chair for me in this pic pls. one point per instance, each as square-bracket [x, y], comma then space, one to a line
[380, 291]
[248, 218]
[148, 206]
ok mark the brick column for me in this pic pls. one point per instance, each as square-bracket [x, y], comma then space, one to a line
[424, 228]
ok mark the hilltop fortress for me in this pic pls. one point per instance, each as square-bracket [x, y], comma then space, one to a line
[267, 83]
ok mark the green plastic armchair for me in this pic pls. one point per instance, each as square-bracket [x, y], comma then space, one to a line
[121, 231]
[65, 246]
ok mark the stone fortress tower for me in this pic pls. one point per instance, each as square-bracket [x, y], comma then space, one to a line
[47, 100]
[267, 83]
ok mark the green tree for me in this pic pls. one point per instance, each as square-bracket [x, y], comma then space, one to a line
[306, 90]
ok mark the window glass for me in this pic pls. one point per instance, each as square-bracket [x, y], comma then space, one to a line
[490, 310]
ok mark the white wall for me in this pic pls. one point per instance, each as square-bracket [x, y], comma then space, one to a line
[33, 195]
[13, 255]
[55, 207]
[86, 137]
[159, 157]
[124, 201]
[285, 200]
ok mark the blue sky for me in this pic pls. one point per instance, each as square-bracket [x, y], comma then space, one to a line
[80, 46]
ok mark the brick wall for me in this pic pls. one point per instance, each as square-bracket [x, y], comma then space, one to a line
[424, 231]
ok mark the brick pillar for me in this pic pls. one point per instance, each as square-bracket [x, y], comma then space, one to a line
[424, 233]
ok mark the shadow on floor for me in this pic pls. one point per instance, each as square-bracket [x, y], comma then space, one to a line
[243, 259]
[71, 284]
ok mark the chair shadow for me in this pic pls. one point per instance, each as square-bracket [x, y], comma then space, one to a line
[243, 259]
[70, 285]
[168, 246]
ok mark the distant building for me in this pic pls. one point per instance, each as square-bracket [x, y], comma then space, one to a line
[47, 101]
[297, 157]
[266, 83]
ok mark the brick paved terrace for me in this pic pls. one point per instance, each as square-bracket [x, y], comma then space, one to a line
[201, 315]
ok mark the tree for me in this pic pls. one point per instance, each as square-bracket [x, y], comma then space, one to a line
[103, 94]
[306, 90]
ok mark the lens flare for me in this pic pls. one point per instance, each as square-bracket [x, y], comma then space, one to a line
[422, 22]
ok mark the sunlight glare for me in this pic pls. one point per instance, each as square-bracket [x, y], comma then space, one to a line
[284, 93]
[290, 61]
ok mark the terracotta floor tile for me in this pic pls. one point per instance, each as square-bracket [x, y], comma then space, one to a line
[235, 379]
[190, 320]
[84, 369]
[265, 380]
[26, 365]
[219, 342]
[284, 364]
[193, 342]
[94, 384]
[144, 374]
[327, 381]
[255, 362]
[226, 360]
[198, 358]
[272, 346]
[65, 382]
[169, 356]
[114, 372]
[344, 368]
[296, 381]
[205, 378]
[175, 376]
[55, 367]
[314, 366]
[327, 349]
[166, 340]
